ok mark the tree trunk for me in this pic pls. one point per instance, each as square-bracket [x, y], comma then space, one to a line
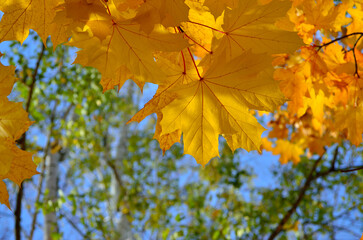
[51, 194]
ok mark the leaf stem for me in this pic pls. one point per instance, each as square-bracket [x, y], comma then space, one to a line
[203, 25]
[195, 65]
[185, 70]
[182, 31]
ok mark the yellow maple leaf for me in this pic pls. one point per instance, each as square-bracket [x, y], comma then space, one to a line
[168, 139]
[288, 151]
[13, 119]
[321, 14]
[219, 103]
[7, 79]
[252, 26]
[178, 73]
[199, 35]
[350, 118]
[15, 164]
[317, 103]
[6, 156]
[22, 15]
[121, 75]
[216, 7]
[355, 26]
[165, 12]
[122, 45]
[293, 84]
[4, 195]
[22, 167]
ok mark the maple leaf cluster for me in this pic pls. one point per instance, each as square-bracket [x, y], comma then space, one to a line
[15, 164]
[322, 81]
[211, 59]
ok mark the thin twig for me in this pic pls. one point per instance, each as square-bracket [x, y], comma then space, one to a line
[338, 39]
[353, 49]
[351, 169]
[355, 57]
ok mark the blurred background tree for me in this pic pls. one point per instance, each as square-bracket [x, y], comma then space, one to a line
[102, 179]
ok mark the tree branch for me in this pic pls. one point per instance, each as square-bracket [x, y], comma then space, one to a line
[22, 143]
[355, 57]
[351, 169]
[347, 169]
[300, 197]
[353, 49]
[338, 39]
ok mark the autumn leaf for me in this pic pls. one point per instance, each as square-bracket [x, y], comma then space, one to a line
[195, 29]
[7, 79]
[218, 104]
[288, 151]
[22, 15]
[350, 119]
[165, 12]
[216, 7]
[22, 167]
[178, 73]
[165, 140]
[124, 47]
[294, 86]
[4, 195]
[6, 157]
[15, 164]
[321, 14]
[252, 26]
[13, 119]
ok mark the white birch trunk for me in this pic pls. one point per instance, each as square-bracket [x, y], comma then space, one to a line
[51, 198]
[51, 186]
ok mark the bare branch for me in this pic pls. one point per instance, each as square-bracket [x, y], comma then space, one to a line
[338, 39]
[300, 197]
[22, 143]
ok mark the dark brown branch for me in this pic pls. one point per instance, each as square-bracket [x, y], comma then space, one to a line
[34, 79]
[22, 143]
[353, 49]
[342, 170]
[300, 197]
[338, 39]
[312, 176]
[351, 169]
[332, 166]
[355, 57]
